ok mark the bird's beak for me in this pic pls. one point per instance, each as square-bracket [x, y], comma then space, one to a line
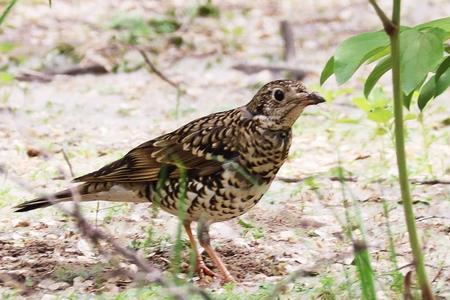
[314, 99]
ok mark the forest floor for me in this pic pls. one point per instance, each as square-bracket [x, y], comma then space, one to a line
[96, 118]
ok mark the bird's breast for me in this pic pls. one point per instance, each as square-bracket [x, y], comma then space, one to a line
[264, 151]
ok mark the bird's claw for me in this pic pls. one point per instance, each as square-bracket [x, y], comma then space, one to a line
[203, 270]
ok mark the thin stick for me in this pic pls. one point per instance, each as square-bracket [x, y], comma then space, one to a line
[430, 182]
[156, 71]
[69, 164]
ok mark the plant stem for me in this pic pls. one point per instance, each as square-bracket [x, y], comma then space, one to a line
[401, 156]
[387, 24]
[7, 10]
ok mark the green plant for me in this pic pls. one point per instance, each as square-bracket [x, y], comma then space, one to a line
[425, 57]
[7, 10]
[133, 28]
[353, 221]
[151, 242]
[68, 273]
[207, 9]
[397, 276]
[325, 290]
[248, 228]
[414, 54]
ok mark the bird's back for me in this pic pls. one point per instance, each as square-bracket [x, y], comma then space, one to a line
[241, 180]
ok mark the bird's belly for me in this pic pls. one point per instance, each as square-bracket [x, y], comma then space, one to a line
[213, 198]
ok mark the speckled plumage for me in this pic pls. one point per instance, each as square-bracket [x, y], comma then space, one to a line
[226, 160]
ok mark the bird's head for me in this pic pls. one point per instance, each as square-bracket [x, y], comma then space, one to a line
[281, 102]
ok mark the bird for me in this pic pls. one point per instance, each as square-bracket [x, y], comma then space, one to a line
[212, 169]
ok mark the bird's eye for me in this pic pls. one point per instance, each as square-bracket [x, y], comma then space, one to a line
[278, 95]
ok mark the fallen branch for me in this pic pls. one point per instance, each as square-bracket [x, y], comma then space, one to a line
[47, 76]
[429, 182]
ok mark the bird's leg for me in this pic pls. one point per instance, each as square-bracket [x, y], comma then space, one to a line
[203, 236]
[200, 266]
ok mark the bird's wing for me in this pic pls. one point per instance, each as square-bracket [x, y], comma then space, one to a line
[199, 147]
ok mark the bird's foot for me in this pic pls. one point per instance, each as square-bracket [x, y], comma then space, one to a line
[203, 270]
[228, 279]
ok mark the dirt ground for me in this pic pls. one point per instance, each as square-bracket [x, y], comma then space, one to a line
[95, 119]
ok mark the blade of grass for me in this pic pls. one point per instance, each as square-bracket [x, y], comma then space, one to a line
[397, 277]
[362, 257]
[365, 271]
[7, 11]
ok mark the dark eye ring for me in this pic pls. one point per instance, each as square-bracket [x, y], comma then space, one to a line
[278, 95]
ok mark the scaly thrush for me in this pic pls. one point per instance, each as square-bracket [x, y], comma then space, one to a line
[212, 169]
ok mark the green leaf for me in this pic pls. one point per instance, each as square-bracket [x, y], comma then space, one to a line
[327, 71]
[351, 53]
[380, 131]
[6, 47]
[410, 116]
[365, 271]
[380, 115]
[164, 25]
[420, 53]
[208, 10]
[443, 67]
[339, 172]
[443, 81]
[382, 67]
[6, 77]
[379, 55]
[440, 33]
[426, 93]
[378, 98]
[362, 103]
[348, 121]
[443, 24]
[407, 99]
[436, 85]
[245, 224]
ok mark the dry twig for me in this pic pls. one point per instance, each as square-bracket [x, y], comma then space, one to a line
[66, 158]
[48, 76]
[155, 70]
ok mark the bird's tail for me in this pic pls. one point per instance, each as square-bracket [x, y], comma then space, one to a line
[85, 192]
